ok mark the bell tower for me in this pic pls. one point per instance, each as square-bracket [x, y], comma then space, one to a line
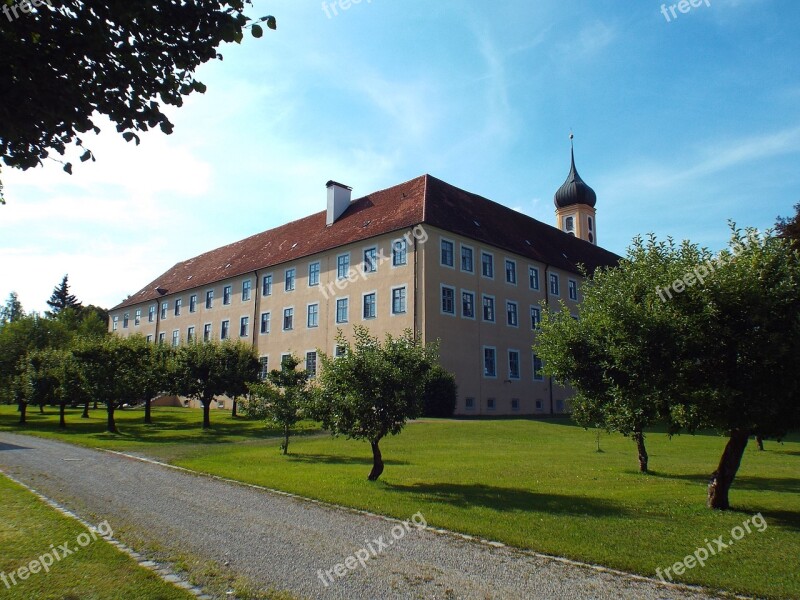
[575, 202]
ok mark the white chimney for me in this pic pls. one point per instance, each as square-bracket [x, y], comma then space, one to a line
[338, 201]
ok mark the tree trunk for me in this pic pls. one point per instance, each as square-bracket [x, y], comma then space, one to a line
[95, 405]
[760, 442]
[722, 478]
[377, 462]
[23, 407]
[285, 440]
[85, 414]
[147, 416]
[638, 437]
[62, 423]
[233, 410]
[112, 425]
[41, 408]
[207, 413]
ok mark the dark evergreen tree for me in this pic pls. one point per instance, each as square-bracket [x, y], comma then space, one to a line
[789, 228]
[62, 299]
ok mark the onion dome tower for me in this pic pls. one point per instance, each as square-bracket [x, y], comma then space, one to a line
[575, 202]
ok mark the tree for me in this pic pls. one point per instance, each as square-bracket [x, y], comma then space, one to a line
[789, 228]
[620, 353]
[156, 372]
[440, 393]
[745, 371]
[243, 367]
[12, 311]
[205, 370]
[41, 383]
[61, 66]
[61, 299]
[374, 388]
[283, 396]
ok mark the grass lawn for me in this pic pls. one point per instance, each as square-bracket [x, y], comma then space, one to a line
[96, 571]
[539, 485]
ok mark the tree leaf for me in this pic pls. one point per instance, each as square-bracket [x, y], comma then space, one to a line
[68, 168]
[258, 31]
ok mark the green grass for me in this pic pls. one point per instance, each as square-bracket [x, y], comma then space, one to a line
[97, 571]
[539, 485]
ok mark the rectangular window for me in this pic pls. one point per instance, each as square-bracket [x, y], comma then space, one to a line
[137, 317]
[162, 337]
[313, 316]
[149, 339]
[226, 294]
[190, 335]
[511, 272]
[447, 253]
[164, 309]
[225, 332]
[210, 299]
[342, 266]
[115, 322]
[536, 317]
[313, 274]
[488, 309]
[512, 316]
[487, 265]
[469, 403]
[399, 301]
[311, 364]
[125, 319]
[176, 338]
[339, 351]
[513, 364]
[263, 368]
[178, 306]
[370, 260]
[370, 305]
[515, 404]
[538, 374]
[265, 317]
[491, 404]
[399, 252]
[266, 285]
[207, 332]
[448, 300]
[533, 277]
[244, 327]
[246, 287]
[288, 319]
[573, 289]
[151, 314]
[468, 305]
[289, 283]
[193, 303]
[489, 362]
[554, 287]
[341, 310]
[466, 259]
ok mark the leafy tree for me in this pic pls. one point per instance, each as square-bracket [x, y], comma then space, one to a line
[283, 396]
[205, 370]
[745, 371]
[61, 66]
[789, 228]
[243, 367]
[41, 382]
[156, 370]
[621, 354]
[12, 309]
[61, 299]
[373, 389]
[440, 393]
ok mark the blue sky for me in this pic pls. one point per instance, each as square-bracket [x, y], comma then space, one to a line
[679, 124]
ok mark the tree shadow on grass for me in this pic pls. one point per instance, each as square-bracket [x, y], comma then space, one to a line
[788, 485]
[339, 460]
[510, 499]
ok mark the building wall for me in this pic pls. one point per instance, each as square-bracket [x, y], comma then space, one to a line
[423, 276]
[463, 339]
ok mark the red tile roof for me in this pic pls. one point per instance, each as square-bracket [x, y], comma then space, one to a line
[421, 200]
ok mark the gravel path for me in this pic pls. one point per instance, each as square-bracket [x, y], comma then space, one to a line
[289, 542]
